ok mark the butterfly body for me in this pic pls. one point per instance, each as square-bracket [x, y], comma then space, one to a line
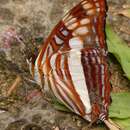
[73, 60]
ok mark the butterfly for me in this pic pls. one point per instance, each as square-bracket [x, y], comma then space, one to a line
[73, 61]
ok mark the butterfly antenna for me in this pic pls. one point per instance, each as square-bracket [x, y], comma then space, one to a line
[111, 125]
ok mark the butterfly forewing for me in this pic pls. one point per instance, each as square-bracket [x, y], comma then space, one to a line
[82, 26]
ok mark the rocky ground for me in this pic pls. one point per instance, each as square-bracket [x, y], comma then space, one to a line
[30, 21]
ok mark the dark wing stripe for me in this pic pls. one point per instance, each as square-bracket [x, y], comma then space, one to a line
[87, 75]
[107, 84]
[58, 67]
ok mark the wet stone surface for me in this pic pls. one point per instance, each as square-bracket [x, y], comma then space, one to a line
[4, 2]
[6, 16]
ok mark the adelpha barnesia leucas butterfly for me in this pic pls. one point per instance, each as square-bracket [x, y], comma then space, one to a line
[73, 60]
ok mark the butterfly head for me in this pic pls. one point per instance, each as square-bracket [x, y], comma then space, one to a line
[32, 52]
[31, 58]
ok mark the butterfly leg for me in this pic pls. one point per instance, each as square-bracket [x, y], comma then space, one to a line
[91, 123]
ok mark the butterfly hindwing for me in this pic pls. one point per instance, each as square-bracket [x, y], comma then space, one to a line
[78, 78]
